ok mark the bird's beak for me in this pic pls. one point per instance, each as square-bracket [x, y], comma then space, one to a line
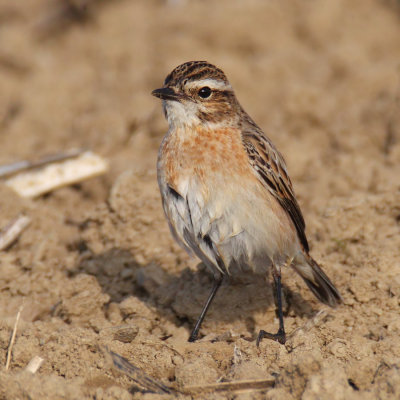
[165, 93]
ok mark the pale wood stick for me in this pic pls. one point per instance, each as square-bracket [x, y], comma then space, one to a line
[12, 231]
[36, 182]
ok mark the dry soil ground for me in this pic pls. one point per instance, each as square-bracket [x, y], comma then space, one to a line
[98, 267]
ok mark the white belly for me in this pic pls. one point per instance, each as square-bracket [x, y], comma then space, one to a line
[229, 226]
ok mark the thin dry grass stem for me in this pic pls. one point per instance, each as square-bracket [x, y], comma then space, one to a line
[320, 316]
[34, 365]
[16, 167]
[12, 231]
[122, 365]
[14, 333]
[314, 321]
[236, 386]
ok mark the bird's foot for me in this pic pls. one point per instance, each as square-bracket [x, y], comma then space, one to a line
[280, 336]
[193, 336]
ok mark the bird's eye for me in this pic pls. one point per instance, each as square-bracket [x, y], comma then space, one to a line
[205, 92]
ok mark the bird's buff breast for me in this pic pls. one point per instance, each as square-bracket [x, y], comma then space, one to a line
[211, 171]
[202, 154]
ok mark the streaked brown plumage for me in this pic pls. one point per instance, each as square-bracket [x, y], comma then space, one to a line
[225, 188]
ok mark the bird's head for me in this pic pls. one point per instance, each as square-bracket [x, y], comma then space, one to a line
[197, 92]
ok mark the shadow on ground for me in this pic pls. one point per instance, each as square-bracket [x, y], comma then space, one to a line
[180, 297]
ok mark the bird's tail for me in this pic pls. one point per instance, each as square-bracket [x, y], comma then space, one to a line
[317, 280]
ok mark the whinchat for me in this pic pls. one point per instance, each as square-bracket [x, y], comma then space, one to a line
[225, 189]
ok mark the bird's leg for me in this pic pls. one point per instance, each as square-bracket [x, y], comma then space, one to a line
[217, 283]
[280, 336]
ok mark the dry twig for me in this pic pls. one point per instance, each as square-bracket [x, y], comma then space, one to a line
[121, 364]
[314, 321]
[14, 333]
[236, 386]
[150, 384]
[16, 167]
[57, 171]
[12, 231]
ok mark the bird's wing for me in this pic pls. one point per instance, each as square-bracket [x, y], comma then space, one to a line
[271, 171]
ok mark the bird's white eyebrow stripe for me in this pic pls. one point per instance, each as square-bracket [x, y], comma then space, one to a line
[211, 83]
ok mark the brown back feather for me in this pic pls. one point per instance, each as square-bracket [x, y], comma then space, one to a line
[271, 169]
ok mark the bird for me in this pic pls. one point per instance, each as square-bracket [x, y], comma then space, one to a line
[226, 192]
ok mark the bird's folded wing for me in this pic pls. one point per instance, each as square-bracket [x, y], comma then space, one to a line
[270, 168]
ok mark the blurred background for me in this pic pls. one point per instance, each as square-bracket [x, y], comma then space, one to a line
[320, 77]
[316, 75]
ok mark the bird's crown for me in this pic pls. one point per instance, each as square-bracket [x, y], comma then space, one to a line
[195, 71]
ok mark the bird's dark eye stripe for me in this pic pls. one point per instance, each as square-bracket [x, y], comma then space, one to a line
[218, 93]
[225, 93]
